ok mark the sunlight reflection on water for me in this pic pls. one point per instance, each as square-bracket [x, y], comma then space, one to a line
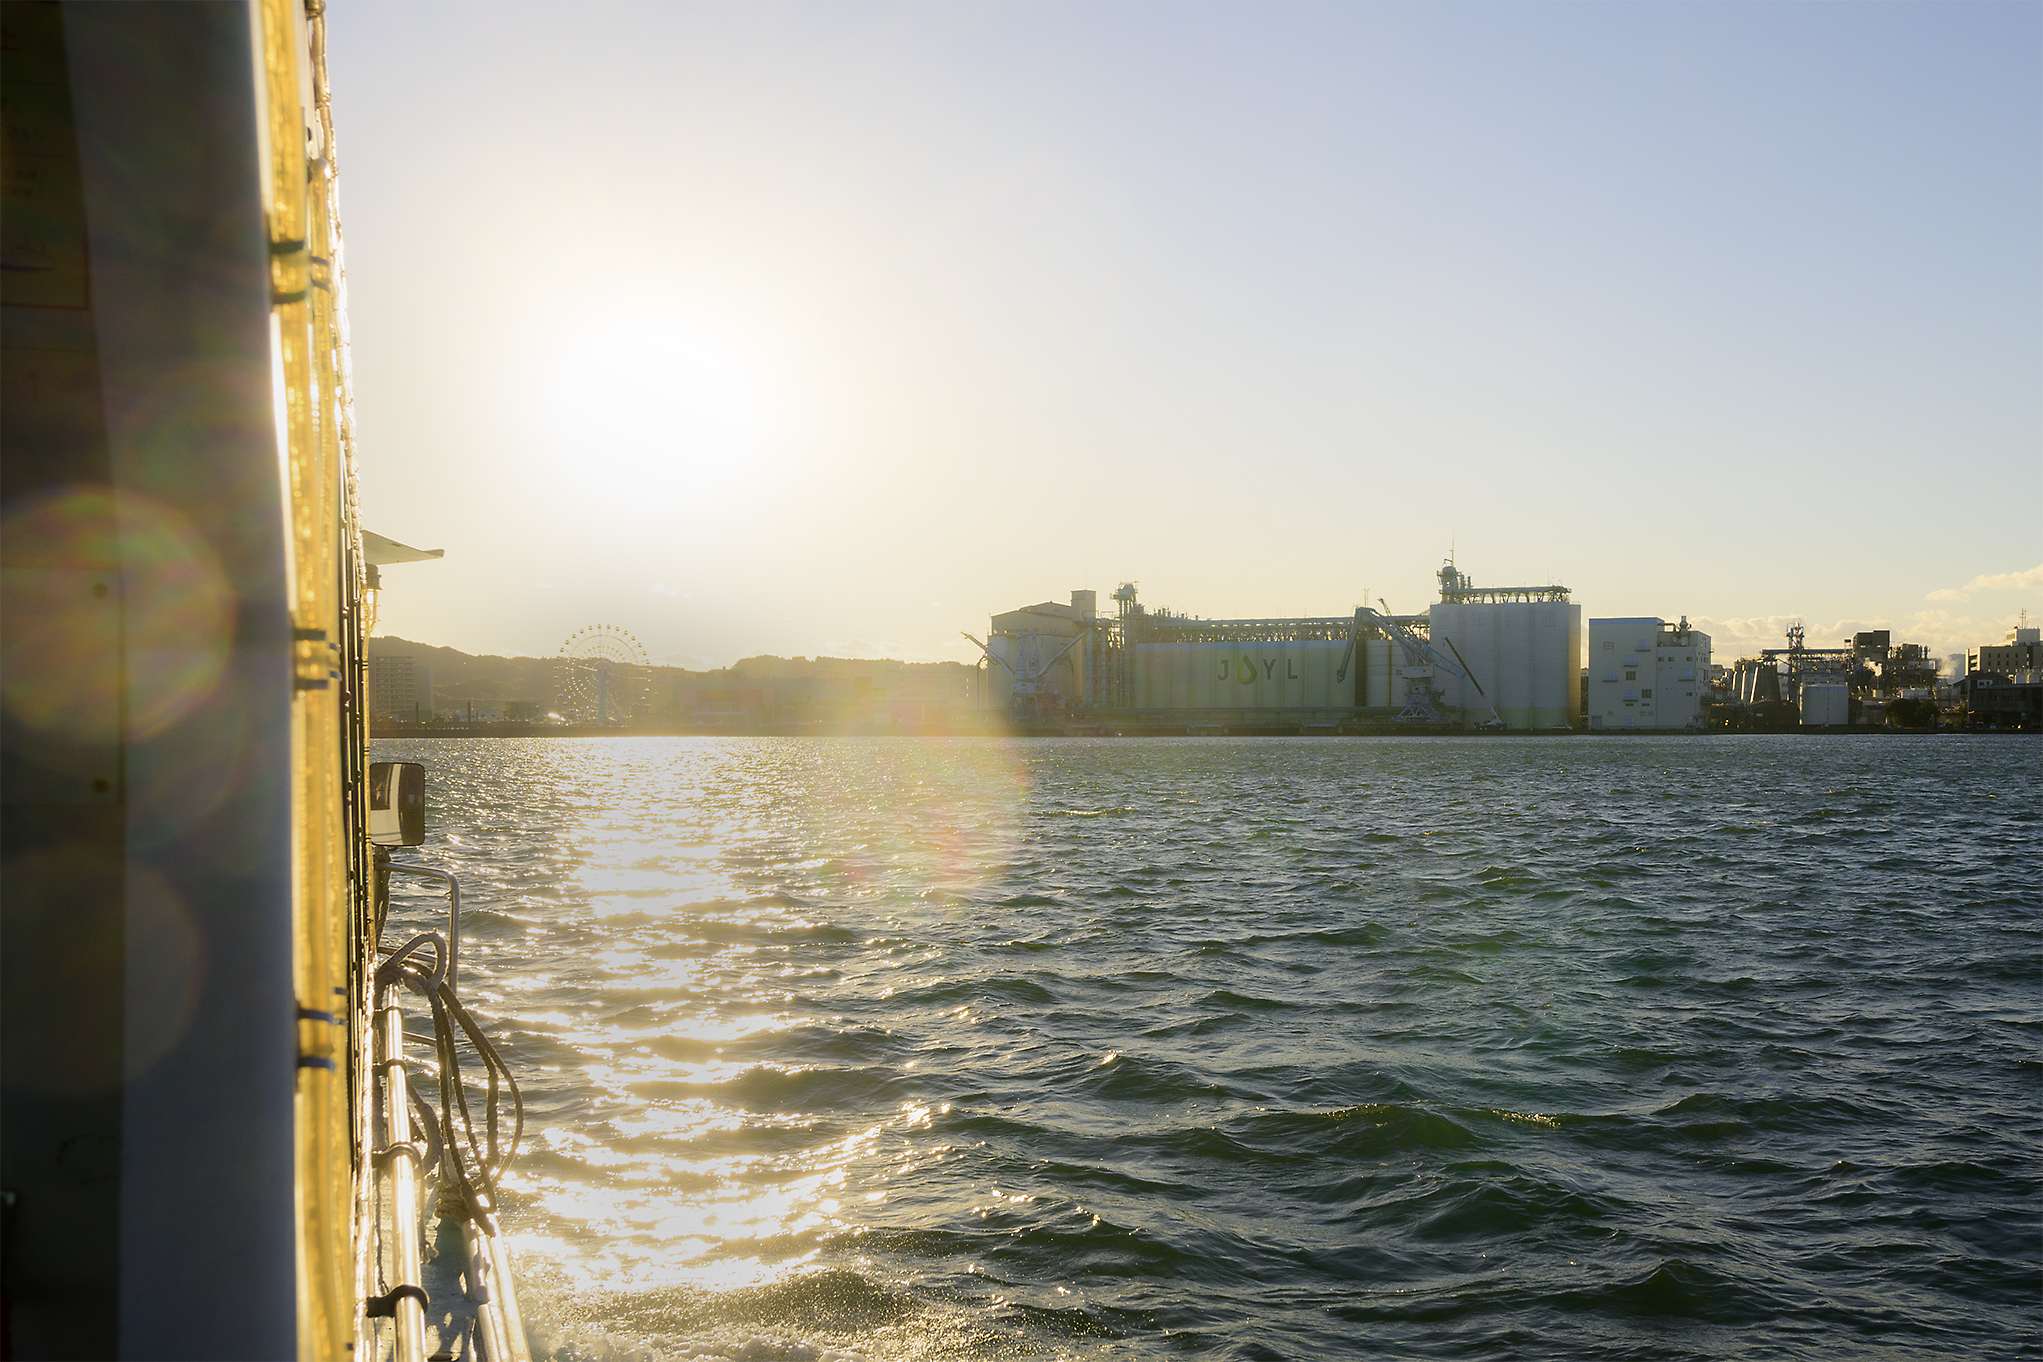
[669, 884]
[967, 1049]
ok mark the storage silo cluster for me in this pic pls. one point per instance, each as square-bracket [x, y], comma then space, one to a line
[1269, 674]
[1479, 655]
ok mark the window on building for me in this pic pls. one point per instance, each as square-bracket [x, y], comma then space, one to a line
[1631, 676]
[1631, 697]
[1610, 675]
[1646, 694]
[1608, 644]
[1688, 673]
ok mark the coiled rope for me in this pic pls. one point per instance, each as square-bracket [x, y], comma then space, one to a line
[474, 1163]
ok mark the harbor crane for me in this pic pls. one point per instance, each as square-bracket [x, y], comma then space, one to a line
[1422, 660]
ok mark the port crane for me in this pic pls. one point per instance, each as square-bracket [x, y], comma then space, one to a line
[1422, 660]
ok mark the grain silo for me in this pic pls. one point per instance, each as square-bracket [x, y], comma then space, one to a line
[1262, 674]
[1522, 646]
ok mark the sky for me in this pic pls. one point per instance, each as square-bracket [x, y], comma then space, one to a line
[836, 328]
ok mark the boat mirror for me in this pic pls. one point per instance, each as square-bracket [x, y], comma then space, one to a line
[397, 803]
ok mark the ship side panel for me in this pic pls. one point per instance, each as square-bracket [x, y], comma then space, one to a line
[172, 163]
[62, 820]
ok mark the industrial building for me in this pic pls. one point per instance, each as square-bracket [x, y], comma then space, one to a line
[1834, 687]
[1647, 673]
[2003, 682]
[1498, 657]
[2014, 657]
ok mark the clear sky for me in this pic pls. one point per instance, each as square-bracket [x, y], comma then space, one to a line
[835, 328]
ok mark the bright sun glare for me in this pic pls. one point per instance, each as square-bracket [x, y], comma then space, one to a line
[654, 404]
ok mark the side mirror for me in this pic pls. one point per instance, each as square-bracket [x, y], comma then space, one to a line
[397, 803]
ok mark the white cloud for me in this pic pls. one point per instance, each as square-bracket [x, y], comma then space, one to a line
[1946, 633]
[2031, 580]
[662, 589]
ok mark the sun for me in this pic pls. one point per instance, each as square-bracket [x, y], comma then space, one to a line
[653, 405]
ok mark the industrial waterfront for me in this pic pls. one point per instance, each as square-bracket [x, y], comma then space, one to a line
[1482, 659]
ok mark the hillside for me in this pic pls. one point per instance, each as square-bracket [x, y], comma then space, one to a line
[459, 677]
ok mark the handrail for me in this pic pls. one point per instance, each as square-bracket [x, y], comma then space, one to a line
[500, 1325]
[453, 913]
[498, 1318]
[401, 1155]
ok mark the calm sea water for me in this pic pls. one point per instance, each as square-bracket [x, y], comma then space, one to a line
[1240, 1048]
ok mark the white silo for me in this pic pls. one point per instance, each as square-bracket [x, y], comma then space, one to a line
[1377, 688]
[1522, 645]
[1516, 677]
[1556, 665]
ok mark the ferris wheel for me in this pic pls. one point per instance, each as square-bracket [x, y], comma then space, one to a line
[600, 675]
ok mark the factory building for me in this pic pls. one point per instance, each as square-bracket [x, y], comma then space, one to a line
[1492, 657]
[1646, 673]
[1832, 687]
[2020, 653]
[1824, 704]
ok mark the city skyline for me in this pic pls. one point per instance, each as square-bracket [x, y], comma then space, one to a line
[803, 330]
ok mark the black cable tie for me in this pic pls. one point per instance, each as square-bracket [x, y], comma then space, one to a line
[385, 1305]
[314, 1014]
[316, 1062]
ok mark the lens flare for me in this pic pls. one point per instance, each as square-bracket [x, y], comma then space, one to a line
[175, 628]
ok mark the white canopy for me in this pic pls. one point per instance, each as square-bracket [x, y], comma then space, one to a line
[381, 551]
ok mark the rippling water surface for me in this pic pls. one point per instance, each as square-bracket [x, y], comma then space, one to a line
[1263, 1048]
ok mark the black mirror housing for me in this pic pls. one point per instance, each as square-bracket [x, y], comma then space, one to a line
[397, 803]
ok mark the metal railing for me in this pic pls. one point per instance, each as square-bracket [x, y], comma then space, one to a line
[453, 912]
[405, 1295]
[498, 1328]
